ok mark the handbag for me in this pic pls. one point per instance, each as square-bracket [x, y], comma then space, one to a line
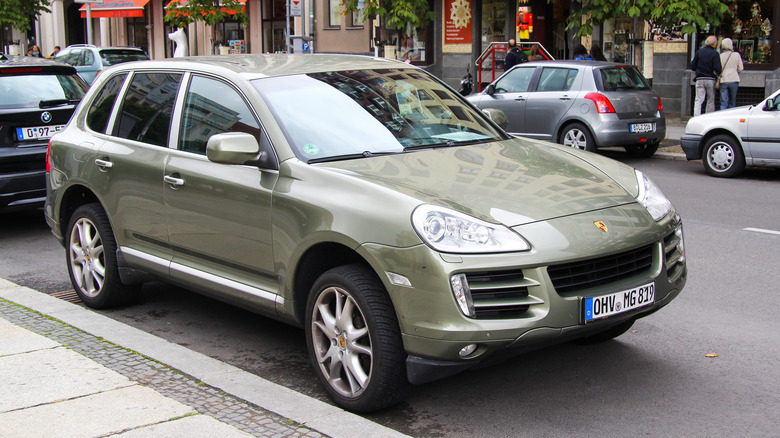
[717, 81]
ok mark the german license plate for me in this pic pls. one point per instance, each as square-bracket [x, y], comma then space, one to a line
[620, 302]
[641, 127]
[38, 132]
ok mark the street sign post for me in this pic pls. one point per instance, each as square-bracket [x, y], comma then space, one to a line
[89, 16]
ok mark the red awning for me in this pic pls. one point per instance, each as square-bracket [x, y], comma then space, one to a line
[116, 8]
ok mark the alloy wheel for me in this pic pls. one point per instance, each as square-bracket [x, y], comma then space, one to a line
[87, 260]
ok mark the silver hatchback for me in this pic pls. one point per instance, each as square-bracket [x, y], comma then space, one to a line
[583, 104]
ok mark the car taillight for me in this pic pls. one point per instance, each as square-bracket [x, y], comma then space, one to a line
[48, 153]
[603, 105]
[660, 105]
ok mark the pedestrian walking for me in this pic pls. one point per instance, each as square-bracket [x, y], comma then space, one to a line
[729, 76]
[514, 56]
[706, 64]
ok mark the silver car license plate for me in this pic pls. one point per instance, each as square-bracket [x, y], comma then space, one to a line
[642, 127]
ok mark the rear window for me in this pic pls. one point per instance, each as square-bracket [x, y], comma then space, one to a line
[118, 56]
[29, 90]
[622, 78]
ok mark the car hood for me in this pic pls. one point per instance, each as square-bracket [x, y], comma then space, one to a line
[729, 118]
[513, 182]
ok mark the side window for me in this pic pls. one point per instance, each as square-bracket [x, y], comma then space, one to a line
[147, 107]
[100, 111]
[557, 79]
[89, 57]
[69, 56]
[516, 81]
[213, 107]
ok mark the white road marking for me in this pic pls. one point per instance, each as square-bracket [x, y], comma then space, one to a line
[759, 230]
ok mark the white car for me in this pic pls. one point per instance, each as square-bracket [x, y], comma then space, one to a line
[728, 140]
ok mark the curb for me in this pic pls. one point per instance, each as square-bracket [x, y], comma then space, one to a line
[307, 411]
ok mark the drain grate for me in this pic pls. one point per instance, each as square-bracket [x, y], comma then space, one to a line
[70, 296]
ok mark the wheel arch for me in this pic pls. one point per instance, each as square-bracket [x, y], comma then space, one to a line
[719, 131]
[313, 263]
[568, 122]
[74, 197]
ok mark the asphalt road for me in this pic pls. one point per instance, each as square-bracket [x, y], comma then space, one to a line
[655, 380]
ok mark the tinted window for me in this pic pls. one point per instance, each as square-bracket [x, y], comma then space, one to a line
[516, 81]
[557, 79]
[147, 107]
[622, 78]
[118, 56]
[213, 107]
[100, 111]
[68, 56]
[89, 58]
[28, 90]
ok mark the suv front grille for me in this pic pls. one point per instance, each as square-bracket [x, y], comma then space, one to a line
[580, 275]
[500, 295]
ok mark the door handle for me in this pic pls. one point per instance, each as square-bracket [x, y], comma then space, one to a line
[565, 97]
[520, 98]
[104, 165]
[174, 182]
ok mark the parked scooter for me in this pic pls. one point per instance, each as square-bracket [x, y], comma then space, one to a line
[466, 85]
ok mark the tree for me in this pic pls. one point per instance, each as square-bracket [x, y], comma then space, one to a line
[401, 13]
[691, 15]
[19, 13]
[180, 13]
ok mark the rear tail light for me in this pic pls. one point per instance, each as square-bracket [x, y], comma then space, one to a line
[48, 154]
[660, 105]
[603, 105]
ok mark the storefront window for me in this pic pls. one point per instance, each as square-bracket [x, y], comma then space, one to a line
[412, 45]
[231, 34]
[137, 35]
[750, 26]
[274, 26]
[493, 22]
[618, 35]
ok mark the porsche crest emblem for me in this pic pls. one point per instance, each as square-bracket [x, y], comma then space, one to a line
[601, 226]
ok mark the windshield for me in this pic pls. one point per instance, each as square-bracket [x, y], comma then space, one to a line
[28, 91]
[622, 78]
[368, 112]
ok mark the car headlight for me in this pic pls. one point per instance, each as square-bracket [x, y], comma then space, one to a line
[651, 198]
[449, 231]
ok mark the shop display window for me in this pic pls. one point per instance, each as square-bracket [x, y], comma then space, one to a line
[750, 25]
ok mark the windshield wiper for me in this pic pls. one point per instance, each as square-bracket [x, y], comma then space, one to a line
[57, 102]
[364, 154]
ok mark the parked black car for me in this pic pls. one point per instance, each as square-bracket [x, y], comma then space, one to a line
[37, 98]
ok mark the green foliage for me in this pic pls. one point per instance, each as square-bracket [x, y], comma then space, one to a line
[666, 14]
[400, 13]
[18, 13]
[180, 13]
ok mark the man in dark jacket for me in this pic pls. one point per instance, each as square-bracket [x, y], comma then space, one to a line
[706, 64]
[514, 56]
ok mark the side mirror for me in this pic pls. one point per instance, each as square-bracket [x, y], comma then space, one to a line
[233, 148]
[772, 105]
[491, 90]
[497, 116]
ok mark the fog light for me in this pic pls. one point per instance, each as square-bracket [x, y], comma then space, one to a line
[468, 349]
[460, 288]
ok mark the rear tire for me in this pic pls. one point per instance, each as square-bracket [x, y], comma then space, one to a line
[91, 259]
[354, 340]
[578, 136]
[646, 150]
[723, 157]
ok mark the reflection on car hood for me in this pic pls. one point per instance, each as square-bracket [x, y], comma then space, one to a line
[514, 182]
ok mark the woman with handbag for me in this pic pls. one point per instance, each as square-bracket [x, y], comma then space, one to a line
[729, 77]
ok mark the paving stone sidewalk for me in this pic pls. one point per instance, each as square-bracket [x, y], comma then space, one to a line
[59, 380]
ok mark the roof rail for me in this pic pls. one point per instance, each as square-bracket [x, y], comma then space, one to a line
[82, 45]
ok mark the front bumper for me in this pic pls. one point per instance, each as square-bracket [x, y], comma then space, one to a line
[435, 331]
[691, 145]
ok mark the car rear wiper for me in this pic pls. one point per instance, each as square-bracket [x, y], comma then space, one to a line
[57, 102]
[364, 154]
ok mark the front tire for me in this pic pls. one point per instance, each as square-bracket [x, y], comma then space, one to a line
[91, 259]
[578, 136]
[354, 340]
[723, 157]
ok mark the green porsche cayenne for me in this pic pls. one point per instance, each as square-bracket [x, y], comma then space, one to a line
[363, 200]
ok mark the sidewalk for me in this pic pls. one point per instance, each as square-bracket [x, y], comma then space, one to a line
[70, 372]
